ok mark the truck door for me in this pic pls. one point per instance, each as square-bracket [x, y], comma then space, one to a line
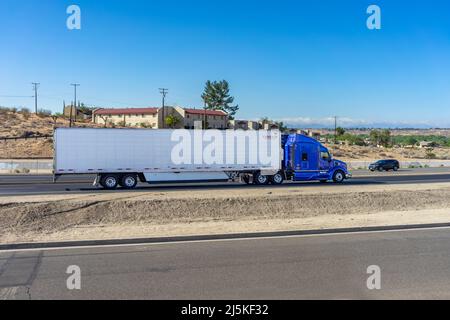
[309, 157]
[324, 160]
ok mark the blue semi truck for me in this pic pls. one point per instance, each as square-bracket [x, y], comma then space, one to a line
[305, 159]
[123, 157]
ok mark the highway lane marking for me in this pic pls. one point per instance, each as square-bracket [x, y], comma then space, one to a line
[8, 293]
[280, 237]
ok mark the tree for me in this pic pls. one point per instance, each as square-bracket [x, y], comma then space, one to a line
[411, 141]
[374, 137]
[281, 126]
[381, 138]
[217, 97]
[340, 131]
[105, 119]
[172, 121]
[385, 138]
[55, 119]
[85, 109]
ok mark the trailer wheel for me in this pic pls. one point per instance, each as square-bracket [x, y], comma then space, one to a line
[129, 181]
[109, 182]
[261, 179]
[339, 176]
[277, 179]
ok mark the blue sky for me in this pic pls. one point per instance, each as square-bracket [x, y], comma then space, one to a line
[299, 61]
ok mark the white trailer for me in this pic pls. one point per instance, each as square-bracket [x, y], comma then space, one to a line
[122, 157]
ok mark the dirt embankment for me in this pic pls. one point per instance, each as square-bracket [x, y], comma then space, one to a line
[28, 125]
[142, 215]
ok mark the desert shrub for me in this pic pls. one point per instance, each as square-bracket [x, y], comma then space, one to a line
[430, 155]
[24, 110]
[4, 110]
[42, 113]
[25, 113]
[25, 170]
[145, 125]
[28, 134]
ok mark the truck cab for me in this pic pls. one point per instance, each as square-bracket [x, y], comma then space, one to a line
[306, 159]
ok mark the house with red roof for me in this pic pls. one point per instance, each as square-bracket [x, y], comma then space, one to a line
[131, 117]
[153, 117]
[215, 119]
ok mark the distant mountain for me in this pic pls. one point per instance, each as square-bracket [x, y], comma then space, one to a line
[356, 124]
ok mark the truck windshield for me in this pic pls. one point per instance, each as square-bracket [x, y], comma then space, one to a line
[325, 155]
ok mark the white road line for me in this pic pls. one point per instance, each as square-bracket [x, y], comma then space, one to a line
[8, 293]
[226, 240]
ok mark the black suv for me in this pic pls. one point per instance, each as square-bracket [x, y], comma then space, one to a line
[385, 165]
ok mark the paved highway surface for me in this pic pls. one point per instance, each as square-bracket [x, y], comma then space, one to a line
[414, 264]
[22, 185]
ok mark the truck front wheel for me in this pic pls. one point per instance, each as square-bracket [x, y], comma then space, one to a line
[339, 176]
[109, 182]
[129, 181]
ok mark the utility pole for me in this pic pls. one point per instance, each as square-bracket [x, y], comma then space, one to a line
[164, 93]
[35, 88]
[335, 129]
[75, 85]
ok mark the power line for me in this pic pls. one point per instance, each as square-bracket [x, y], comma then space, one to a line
[35, 87]
[9, 96]
[164, 93]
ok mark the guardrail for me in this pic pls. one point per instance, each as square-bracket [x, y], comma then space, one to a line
[35, 166]
[419, 163]
[24, 138]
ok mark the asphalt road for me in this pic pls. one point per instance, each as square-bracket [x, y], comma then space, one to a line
[414, 264]
[37, 185]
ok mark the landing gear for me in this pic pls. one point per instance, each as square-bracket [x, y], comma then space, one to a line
[246, 179]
